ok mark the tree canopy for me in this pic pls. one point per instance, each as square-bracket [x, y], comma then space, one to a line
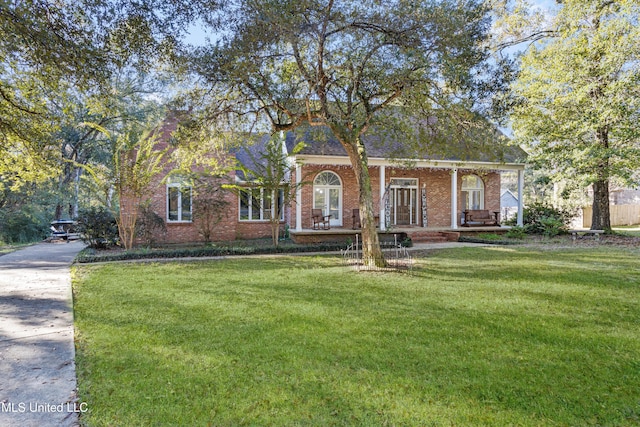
[53, 52]
[577, 96]
[350, 66]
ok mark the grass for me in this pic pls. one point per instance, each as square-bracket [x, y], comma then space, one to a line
[6, 248]
[628, 230]
[472, 336]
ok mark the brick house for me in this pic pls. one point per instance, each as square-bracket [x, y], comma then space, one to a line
[429, 194]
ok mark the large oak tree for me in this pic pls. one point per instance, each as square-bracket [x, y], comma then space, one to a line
[52, 52]
[577, 96]
[352, 67]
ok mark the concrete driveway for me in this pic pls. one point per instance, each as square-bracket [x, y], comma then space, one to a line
[38, 380]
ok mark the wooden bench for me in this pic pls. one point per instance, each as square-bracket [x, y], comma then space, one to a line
[480, 217]
[581, 233]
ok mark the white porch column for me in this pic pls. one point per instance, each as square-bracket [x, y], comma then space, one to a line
[520, 197]
[383, 226]
[298, 198]
[454, 198]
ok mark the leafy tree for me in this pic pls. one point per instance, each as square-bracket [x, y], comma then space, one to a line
[135, 164]
[25, 210]
[209, 204]
[271, 170]
[49, 50]
[351, 67]
[577, 96]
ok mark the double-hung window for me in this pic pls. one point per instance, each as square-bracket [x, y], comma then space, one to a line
[179, 203]
[256, 204]
[472, 192]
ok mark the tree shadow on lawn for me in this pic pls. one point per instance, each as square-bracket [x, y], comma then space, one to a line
[413, 359]
[614, 269]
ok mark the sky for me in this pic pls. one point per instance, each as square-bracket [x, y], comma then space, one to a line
[198, 36]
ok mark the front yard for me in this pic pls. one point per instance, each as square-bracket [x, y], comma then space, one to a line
[472, 336]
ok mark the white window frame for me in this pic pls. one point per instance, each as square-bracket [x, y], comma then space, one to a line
[479, 188]
[336, 222]
[414, 204]
[263, 216]
[181, 187]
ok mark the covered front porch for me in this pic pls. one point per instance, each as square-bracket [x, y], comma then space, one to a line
[425, 195]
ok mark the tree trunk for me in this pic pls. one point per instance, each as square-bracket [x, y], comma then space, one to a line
[127, 218]
[600, 218]
[371, 251]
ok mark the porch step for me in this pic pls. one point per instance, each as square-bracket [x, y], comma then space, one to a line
[422, 236]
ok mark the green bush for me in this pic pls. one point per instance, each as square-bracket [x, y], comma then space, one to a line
[97, 227]
[149, 226]
[552, 226]
[27, 224]
[516, 232]
[88, 256]
[540, 218]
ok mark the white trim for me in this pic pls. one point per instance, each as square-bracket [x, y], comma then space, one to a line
[263, 217]
[377, 161]
[414, 203]
[454, 198]
[520, 219]
[480, 189]
[298, 197]
[382, 186]
[179, 185]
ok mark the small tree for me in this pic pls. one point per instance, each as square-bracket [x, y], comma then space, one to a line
[135, 164]
[149, 225]
[209, 204]
[270, 170]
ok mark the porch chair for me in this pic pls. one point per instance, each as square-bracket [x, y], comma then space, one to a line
[318, 218]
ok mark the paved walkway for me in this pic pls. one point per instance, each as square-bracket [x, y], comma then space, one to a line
[37, 369]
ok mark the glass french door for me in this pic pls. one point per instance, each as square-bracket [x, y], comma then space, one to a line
[328, 199]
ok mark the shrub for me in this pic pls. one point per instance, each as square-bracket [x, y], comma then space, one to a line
[552, 226]
[24, 225]
[88, 256]
[97, 227]
[149, 226]
[540, 218]
[516, 232]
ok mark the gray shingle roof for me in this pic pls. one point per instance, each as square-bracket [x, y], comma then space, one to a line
[320, 141]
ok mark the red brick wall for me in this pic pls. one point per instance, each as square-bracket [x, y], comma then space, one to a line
[436, 181]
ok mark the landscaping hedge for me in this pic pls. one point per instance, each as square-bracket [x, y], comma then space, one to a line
[90, 256]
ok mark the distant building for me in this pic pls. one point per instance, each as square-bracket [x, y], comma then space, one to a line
[508, 205]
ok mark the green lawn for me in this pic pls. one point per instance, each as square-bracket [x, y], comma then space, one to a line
[480, 336]
[6, 248]
[629, 230]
